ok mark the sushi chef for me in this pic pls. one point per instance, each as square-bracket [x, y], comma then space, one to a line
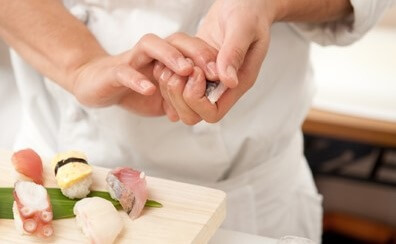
[109, 77]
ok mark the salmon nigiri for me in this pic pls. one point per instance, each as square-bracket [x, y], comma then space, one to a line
[32, 209]
[28, 163]
[129, 187]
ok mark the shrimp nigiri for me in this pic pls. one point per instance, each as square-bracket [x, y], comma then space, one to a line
[129, 187]
[32, 209]
[28, 163]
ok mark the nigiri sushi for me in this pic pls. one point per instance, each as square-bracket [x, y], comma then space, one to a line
[214, 90]
[28, 163]
[98, 219]
[32, 209]
[129, 187]
[73, 174]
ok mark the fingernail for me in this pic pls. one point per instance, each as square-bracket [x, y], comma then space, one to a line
[158, 66]
[166, 75]
[212, 69]
[183, 63]
[231, 73]
[145, 85]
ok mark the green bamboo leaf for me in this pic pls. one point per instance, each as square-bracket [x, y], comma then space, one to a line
[153, 204]
[62, 206]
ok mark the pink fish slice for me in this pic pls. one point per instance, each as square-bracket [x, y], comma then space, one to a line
[28, 163]
[32, 209]
[129, 187]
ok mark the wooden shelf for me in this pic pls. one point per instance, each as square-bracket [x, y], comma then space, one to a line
[352, 128]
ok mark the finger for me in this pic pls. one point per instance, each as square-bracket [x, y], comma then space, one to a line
[170, 112]
[158, 67]
[237, 41]
[202, 54]
[163, 80]
[150, 47]
[194, 96]
[162, 75]
[175, 91]
[135, 102]
[129, 77]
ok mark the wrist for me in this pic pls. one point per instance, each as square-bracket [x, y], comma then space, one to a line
[75, 67]
[275, 10]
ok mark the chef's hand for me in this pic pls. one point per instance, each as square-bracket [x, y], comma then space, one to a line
[185, 95]
[239, 31]
[126, 79]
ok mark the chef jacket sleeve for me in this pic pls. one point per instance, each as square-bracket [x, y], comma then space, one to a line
[365, 15]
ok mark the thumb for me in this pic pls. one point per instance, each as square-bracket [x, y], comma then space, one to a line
[130, 78]
[237, 39]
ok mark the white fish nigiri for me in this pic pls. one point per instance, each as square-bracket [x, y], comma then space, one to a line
[32, 209]
[98, 219]
[214, 90]
[130, 188]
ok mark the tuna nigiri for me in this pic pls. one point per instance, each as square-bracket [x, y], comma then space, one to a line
[28, 163]
[32, 209]
[98, 219]
[129, 187]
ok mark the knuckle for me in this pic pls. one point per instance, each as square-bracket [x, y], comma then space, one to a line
[191, 120]
[213, 119]
[238, 55]
[203, 56]
[148, 36]
[143, 42]
[175, 36]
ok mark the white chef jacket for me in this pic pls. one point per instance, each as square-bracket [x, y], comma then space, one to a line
[255, 153]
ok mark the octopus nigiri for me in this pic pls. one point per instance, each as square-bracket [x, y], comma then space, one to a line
[32, 209]
[28, 163]
[73, 174]
[129, 187]
[98, 219]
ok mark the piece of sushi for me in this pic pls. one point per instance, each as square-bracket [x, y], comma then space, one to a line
[32, 209]
[98, 219]
[28, 163]
[214, 90]
[73, 174]
[129, 187]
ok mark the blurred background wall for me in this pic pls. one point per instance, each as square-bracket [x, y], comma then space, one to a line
[351, 136]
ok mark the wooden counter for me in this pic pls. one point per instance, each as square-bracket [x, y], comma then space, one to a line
[347, 127]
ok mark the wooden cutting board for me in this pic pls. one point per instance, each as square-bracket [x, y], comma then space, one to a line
[190, 213]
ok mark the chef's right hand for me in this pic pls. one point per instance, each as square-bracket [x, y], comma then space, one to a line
[126, 79]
